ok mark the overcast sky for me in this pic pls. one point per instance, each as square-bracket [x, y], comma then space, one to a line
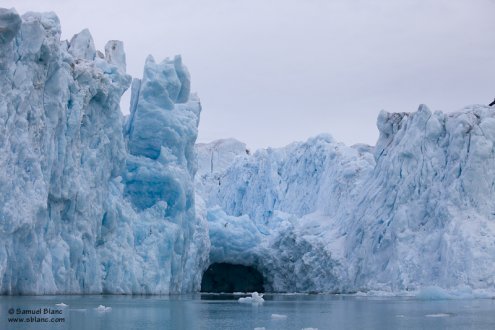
[270, 72]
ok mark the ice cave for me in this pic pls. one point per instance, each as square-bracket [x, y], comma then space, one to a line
[229, 278]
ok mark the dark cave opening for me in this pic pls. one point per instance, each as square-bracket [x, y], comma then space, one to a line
[228, 278]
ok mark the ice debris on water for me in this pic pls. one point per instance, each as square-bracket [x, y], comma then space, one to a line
[61, 305]
[438, 315]
[255, 299]
[103, 309]
[278, 317]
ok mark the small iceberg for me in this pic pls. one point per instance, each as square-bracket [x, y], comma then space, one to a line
[255, 299]
[438, 315]
[103, 309]
[61, 305]
[279, 317]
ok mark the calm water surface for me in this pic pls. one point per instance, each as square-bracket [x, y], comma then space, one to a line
[224, 312]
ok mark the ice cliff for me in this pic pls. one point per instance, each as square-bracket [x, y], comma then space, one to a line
[416, 210]
[91, 202]
[88, 203]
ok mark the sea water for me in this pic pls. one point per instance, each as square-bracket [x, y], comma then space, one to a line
[207, 311]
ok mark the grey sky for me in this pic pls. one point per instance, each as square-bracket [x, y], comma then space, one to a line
[270, 72]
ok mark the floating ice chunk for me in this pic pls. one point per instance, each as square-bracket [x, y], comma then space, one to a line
[260, 328]
[255, 299]
[438, 315]
[103, 309]
[309, 328]
[61, 305]
[279, 317]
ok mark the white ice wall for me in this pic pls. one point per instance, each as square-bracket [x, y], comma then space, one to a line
[416, 210]
[75, 216]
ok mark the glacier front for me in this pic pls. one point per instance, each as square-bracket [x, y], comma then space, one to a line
[90, 203]
[415, 211]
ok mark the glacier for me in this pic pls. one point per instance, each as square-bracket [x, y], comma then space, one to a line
[414, 211]
[95, 202]
[91, 202]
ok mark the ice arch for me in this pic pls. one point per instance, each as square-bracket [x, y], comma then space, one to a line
[225, 277]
